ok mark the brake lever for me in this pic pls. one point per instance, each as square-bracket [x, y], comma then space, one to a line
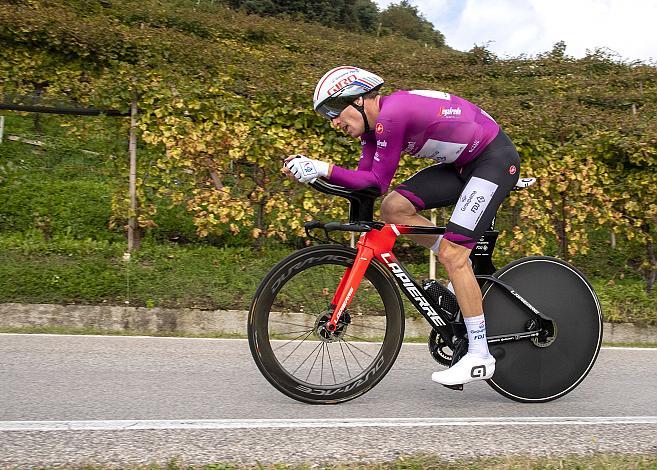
[313, 225]
[328, 237]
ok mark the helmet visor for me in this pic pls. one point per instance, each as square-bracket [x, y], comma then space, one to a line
[333, 107]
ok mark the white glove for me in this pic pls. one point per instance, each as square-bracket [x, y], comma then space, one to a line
[306, 170]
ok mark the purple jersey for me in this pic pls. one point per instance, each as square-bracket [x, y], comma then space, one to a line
[422, 123]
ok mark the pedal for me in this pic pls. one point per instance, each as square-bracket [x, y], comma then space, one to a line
[454, 387]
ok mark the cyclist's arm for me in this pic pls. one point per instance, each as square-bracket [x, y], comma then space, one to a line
[378, 164]
[367, 153]
[368, 144]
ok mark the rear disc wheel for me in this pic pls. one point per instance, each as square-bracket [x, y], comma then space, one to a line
[542, 370]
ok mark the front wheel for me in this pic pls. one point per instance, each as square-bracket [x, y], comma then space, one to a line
[301, 358]
[531, 371]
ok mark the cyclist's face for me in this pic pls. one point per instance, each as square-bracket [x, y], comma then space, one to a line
[350, 121]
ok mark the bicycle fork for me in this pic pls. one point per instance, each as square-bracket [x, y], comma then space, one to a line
[370, 245]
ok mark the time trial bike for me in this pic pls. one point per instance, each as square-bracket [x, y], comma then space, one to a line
[327, 322]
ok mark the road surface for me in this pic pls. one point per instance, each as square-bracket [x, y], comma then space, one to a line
[120, 400]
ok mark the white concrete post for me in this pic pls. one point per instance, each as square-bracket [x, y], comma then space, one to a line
[133, 242]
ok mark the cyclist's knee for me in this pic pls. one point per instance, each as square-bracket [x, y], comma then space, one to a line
[454, 257]
[395, 208]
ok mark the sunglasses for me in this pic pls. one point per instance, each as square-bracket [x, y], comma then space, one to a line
[333, 107]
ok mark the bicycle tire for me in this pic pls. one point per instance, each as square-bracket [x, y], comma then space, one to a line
[524, 371]
[288, 288]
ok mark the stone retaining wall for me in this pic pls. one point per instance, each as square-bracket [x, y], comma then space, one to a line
[117, 319]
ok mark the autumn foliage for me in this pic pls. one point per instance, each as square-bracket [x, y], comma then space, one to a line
[224, 96]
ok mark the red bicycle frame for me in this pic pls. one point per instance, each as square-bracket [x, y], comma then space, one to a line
[377, 240]
[377, 244]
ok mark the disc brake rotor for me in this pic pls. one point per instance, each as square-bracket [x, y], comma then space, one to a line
[331, 336]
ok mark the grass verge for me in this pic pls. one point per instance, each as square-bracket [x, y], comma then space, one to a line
[574, 462]
[64, 270]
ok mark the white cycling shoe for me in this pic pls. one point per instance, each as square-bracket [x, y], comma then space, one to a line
[469, 368]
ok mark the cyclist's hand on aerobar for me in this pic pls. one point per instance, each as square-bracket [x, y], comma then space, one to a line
[304, 169]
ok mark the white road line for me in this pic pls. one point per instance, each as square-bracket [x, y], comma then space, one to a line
[177, 338]
[182, 338]
[210, 424]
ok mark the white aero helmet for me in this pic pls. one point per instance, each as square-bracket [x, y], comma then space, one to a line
[339, 87]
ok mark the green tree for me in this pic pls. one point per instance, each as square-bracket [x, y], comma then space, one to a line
[558, 51]
[368, 14]
[406, 19]
[259, 7]
[353, 15]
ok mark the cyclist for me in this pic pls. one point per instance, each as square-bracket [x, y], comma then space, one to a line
[474, 165]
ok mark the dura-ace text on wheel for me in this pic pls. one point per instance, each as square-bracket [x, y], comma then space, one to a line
[543, 370]
[287, 334]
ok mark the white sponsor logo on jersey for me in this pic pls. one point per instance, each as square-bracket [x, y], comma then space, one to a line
[475, 144]
[382, 143]
[450, 112]
[443, 152]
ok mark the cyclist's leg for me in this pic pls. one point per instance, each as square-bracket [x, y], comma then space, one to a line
[488, 185]
[490, 179]
[419, 192]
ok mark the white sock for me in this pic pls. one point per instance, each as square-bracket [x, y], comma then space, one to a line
[477, 343]
[436, 245]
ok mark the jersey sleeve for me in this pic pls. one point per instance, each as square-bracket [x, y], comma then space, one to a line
[367, 153]
[378, 170]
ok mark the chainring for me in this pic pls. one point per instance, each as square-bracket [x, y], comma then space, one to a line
[439, 349]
